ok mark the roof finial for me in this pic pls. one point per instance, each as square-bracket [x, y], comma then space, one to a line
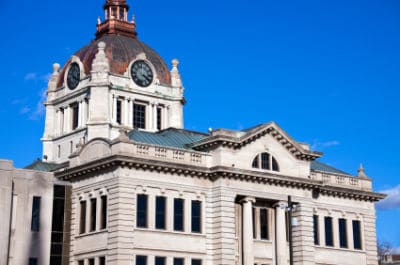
[361, 172]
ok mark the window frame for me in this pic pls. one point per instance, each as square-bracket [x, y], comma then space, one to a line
[329, 240]
[316, 229]
[35, 217]
[161, 217]
[82, 216]
[139, 122]
[198, 217]
[357, 237]
[343, 241]
[142, 214]
[265, 161]
[179, 216]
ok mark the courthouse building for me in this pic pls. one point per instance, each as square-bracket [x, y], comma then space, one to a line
[122, 182]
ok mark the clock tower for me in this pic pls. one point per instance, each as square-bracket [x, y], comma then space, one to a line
[114, 83]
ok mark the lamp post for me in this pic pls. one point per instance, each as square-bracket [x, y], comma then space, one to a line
[289, 210]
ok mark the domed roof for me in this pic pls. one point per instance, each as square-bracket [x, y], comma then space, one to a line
[120, 51]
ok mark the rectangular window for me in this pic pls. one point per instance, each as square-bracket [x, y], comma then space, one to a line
[93, 205]
[328, 232]
[357, 234]
[141, 260]
[75, 115]
[196, 261]
[178, 261]
[139, 116]
[264, 233]
[316, 230]
[58, 151]
[82, 219]
[159, 261]
[253, 212]
[119, 111]
[159, 119]
[141, 211]
[33, 261]
[265, 161]
[343, 233]
[160, 212]
[81, 262]
[91, 261]
[103, 219]
[35, 224]
[178, 214]
[57, 227]
[196, 216]
[102, 261]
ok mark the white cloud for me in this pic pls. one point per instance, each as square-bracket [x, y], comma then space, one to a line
[40, 109]
[30, 76]
[320, 145]
[392, 201]
[24, 110]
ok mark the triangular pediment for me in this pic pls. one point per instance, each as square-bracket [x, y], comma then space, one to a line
[239, 139]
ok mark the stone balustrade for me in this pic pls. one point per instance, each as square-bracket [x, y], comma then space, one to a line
[341, 180]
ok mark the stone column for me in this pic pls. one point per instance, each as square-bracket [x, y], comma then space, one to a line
[248, 248]
[130, 113]
[80, 114]
[280, 240]
[114, 109]
[126, 112]
[66, 120]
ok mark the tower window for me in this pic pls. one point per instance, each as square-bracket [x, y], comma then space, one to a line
[35, 224]
[118, 111]
[141, 260]
[159, 119]
[141, 210]
[75, 115]
[179, 261]
[159, 261]
[268, 162]
[139, 116]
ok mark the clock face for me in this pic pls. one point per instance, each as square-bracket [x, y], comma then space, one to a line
[141, 73]
[74, 76]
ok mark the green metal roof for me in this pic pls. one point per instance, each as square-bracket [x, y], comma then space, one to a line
[316, 165]
[39, 165]
[176, 138]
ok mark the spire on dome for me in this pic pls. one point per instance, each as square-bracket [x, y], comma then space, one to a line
[116, 20]
[361, 172]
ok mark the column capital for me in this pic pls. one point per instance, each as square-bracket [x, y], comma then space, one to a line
[281, 204]
[248, 199]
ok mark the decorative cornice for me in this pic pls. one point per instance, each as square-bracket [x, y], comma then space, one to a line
[212, 174]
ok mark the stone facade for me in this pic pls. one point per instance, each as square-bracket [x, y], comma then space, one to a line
[139, 189]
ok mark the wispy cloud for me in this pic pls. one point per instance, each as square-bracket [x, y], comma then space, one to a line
[39, 110]
[30, 76]
[392, 201]
[321, 145]
[24, 110]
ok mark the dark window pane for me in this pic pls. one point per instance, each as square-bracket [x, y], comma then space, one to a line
[357, 234]
[93, 205]
[256, 162]
[81, 262]
[265, 161]
[75, 116]
[178, 214]
[178, 261]
[342, 233]
[275, 166]
[58, 215]
[56, 237]
[159, 261]
[56, 260]
[196, 261]
[33, 261]
[139, 116]
[91, 261]
[159, 118]
[196, 216]
[141, 260]
[119, 111]
[56, 249]
[264, 224]
[160, 212]
[141, 210]
[102, 261]
[35, 224]
[59, 191]
[103, 219]
[253, 212]
[328, 232]
[82, 219]
[316, 230]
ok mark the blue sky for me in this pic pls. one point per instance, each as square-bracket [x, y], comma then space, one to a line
[326, 71]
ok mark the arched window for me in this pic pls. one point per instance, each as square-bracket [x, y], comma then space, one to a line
[265, 161]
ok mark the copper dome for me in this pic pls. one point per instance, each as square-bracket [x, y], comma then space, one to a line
[120, 51]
